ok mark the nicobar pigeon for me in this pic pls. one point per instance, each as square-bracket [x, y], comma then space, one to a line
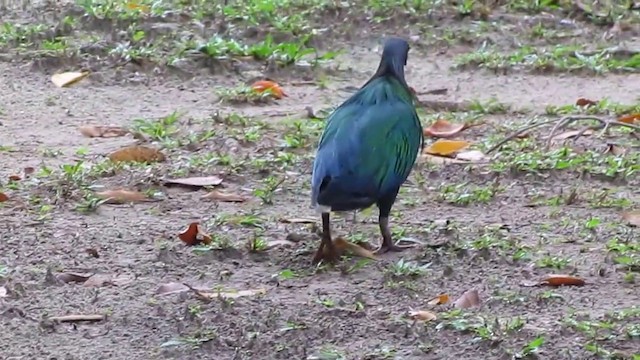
[367, 150]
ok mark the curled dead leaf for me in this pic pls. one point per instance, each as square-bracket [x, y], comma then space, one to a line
[199, 181]
[630, 118]
[615, 150]
[570, 134]
[223, 197]
[422, 315]
[105, 131]
[194, 235]
[439, 300]
[121, 196]
[631, 217]
[342, 245]
[443, 129]
[560, 280]
[446, 147]
[68, 78]
[137, 153]
[585, 102]
[271, 86]
[469, 299]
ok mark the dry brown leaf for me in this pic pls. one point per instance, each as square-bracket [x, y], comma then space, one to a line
[14, 177]
[297, 221]
[422, 315]
[615, 150]
[471, 156]
[342, 244]
[194, 235]
[200, 181]
[121, 196]
[630, 118]
[572, 133]
[223, 197]
[266, 85]
[443, 129]
[560, 280]
[469, 299]
[137, 153]
[632, 217]
[68, 78]
[439, 300]
[585, 102]
[28, 170]
[74, 277]
[105, 131]
[446, 147]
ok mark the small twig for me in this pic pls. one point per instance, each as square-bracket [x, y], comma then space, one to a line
[518, 133]
[77, 318]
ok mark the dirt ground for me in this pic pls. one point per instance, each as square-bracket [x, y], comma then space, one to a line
[494, 227]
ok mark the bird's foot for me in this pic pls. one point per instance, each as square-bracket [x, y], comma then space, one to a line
[390, 246]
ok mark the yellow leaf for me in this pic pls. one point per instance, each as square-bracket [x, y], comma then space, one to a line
[137, 154]
[68, 78]
[446, 147]
[439, 300]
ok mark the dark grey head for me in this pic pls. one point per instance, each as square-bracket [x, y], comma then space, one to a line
[394, 58]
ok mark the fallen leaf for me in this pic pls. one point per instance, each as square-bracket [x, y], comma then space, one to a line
[471, 156]
[211, 295]
[570, 134]
[630, 119]
[446, 147]
[615, 150]
[632, 217]
[137, 153]
[266, 85]
[422, 315]
[585, 102]
[342, 244]
[559, 280]
[275, 243]
[28, 170]
[132, 6]
[3, 292]
[194, 235]
[298, 221]
[122, 196]
[73, 277]
[92, 252]
[15, 177]
[195, 181]
[105, 131]
[77, 318]
[223, 197]
[98, 280]
[68, 78]
[469, 299]
[443, 129]
[439, 300]
[441, 160]
[171, 288]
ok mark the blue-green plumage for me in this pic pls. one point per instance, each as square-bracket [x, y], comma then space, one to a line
[369, 145]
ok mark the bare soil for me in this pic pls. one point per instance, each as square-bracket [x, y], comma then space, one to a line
[348, 312]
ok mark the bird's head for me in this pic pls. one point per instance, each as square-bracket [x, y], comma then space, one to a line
[394, 58]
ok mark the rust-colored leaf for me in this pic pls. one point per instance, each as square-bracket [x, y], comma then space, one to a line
[194, 235]
[630, 118]
[560, 280]
[446, 147]
[585, 102]
[571, 133]
[631, 217]
[469, 299]
[3, 197]
[439, 300]
[200, 181]
[68, 78]
[266, 85]
[137, 153]
[422, 315]
[15, 177]
[121, 196]
[223, 197]
[105, 131]
[443, 129]
[342, 244]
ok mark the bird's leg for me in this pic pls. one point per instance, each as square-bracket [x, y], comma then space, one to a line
[383, 220]
[327, 242]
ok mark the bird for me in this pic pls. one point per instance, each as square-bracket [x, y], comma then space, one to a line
[367, 149]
